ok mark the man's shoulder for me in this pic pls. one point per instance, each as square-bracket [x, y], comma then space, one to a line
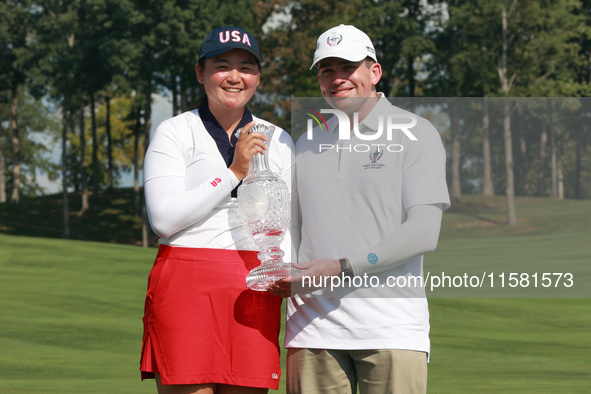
[390, 108]
[394, 117]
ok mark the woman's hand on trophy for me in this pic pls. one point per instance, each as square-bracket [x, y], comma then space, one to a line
[312, 275]
[247, 146]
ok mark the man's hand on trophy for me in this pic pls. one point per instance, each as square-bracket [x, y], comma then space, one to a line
[247, 146]
[312, 275]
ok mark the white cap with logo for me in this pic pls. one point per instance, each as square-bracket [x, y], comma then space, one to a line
[345, 42]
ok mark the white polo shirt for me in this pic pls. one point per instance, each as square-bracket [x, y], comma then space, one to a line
[183, 149]
[352, 194]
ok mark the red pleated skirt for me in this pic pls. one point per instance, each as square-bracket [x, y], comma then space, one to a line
[203, 325]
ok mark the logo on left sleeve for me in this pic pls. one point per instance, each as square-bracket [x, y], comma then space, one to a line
[216, 182]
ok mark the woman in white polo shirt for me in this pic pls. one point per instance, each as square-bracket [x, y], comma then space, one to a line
[204, 330]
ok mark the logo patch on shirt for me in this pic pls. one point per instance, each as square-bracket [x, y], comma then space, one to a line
[275, 376]
[216, 182]
[374, 156]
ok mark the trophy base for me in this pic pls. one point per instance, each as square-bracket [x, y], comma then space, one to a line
[266, 274]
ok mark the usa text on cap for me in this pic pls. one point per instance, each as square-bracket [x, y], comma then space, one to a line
[223, 39]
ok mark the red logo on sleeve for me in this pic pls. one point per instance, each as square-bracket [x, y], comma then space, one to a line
[216, 182]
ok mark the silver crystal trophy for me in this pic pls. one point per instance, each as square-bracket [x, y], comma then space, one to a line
[264, 208]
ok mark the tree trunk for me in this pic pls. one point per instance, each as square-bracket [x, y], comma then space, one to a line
[16, 163]
[456, 188]
[110, 179]
[578, 163]
[411, 75]
[65, 120]
[95, 162]
[524, 167]
[560, 183]
[487, 188]
[83, 166]
[506, 87]
[542, 169]
[2, 166]
[2, 177]
[136, 170]
[147, 126]
[184, 87]
[66, 209]
[184, 99]
[174, 87]
[510, 187]
[553, 162]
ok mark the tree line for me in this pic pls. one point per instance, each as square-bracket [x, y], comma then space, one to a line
[83, 73]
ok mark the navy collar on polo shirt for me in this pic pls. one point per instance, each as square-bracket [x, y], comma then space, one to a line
[220, 136]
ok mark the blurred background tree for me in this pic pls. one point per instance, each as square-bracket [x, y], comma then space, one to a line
[88, 71]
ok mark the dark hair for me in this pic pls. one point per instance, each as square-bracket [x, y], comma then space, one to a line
[369, 61]
[203, 99]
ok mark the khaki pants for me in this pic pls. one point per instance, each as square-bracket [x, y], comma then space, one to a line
[326, 371]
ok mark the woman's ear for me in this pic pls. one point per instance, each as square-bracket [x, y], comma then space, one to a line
[199, 73]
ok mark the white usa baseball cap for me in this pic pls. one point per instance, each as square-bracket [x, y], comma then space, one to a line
[345, 42]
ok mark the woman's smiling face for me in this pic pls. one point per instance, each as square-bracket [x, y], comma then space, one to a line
[230, 79]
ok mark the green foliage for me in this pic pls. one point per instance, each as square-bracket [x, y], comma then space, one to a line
[111, 219]
[66, 51]
[543, 48]
[37, 126]
[122, 126]
[15, 49]
[289, 41]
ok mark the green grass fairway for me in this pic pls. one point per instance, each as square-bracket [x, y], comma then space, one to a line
[70, 316]
[510, 346]
[70, 322]
[70, 311]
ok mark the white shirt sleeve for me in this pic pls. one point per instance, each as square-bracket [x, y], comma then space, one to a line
[416, 236]
[171, 208]
[173, 201]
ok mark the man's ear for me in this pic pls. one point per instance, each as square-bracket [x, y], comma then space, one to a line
[376, 72]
